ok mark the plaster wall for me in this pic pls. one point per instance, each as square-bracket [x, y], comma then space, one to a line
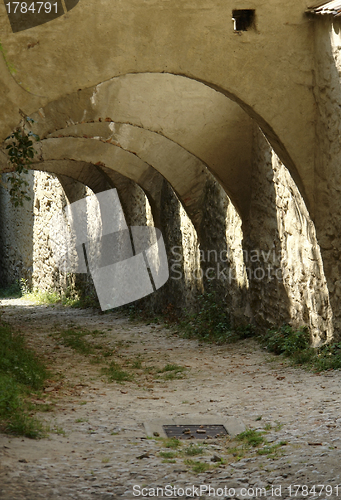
[193, 39]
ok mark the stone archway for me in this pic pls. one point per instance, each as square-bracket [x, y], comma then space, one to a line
[143, 123]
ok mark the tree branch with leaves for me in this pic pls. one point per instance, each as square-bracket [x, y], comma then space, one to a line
[20, 150]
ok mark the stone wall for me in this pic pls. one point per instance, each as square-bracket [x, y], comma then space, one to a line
[284, 258]
[16, 242]
[267, 270]
[327, 215]
[25, 251]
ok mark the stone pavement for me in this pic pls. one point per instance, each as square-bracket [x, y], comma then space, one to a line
[99, 448]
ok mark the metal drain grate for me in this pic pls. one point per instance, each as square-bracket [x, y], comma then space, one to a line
[194, 431]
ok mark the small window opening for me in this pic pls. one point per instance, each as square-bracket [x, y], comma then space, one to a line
[243, 19]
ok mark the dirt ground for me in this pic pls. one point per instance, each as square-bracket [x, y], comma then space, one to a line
[98, 448]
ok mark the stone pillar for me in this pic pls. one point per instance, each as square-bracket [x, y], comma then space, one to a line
[327, 210]
[221, 253]
[286, 277]
[269, 303]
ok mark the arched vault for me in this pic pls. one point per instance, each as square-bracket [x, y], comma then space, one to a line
[160, 117]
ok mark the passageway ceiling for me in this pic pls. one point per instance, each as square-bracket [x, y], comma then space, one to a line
[267, 70]
[137, 124]
[99, 179]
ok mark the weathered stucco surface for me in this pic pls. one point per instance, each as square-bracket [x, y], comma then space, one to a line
[194, 40]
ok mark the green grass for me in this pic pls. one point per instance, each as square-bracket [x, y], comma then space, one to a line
[168, 454]
[251, 437]
[75, 339]
[121, 369]
[197, 467]
[72, 296]
[43, 297]
[172, 443]
[271, 451]
[19, 362]
[11, 292]
[253, 442]
[294, 344]
[115, 373]
[193, 450]
[22, 374]
[137, 364]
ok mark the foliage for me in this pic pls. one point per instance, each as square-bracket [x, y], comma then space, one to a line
[197, 467]
[21, 374]
[172, 443]
[20, 153]
[212, 323]
[71, 296]
[12, 291]
[287, 341]
[76, 340]
[193, 450]
[328, 357]
[295, 345]
[168, 454]
[114, 372]
[251, 437]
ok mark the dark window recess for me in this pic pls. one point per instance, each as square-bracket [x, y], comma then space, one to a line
[243, 19]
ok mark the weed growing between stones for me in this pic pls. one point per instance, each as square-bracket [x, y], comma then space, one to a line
[115, 373]
[82, 342]
[295, 345]
[249, 443]
[251, 437]
[193, 450]
[121, 369]
[197, 467]
[22, 375]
